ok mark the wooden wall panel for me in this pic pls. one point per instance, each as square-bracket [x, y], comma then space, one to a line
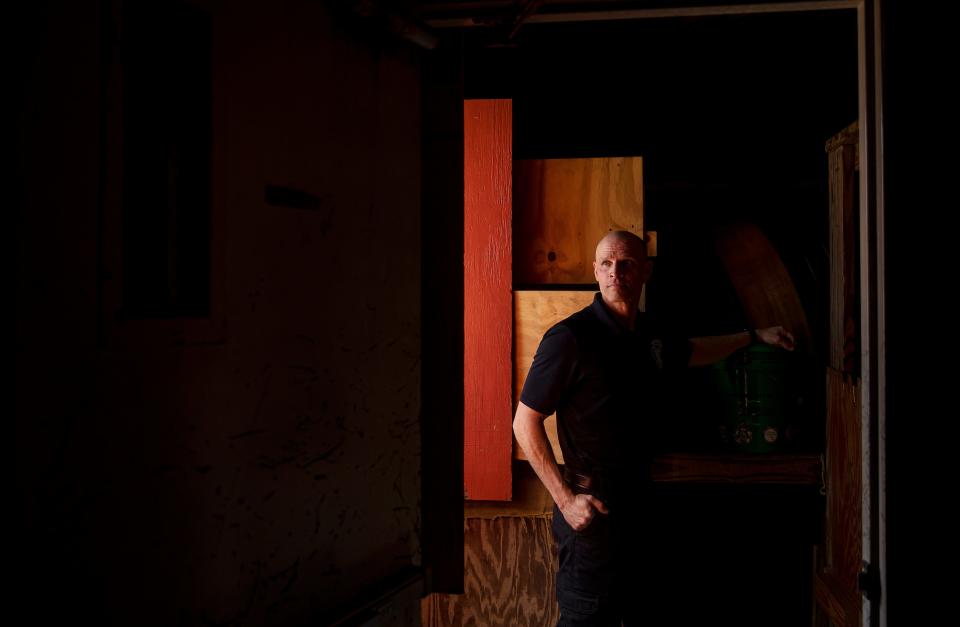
[843, 517]
[564, 206]
[835, 585]
[509, 577]
[530, 497]
[534, 312]
[488, 415]
[844, 309]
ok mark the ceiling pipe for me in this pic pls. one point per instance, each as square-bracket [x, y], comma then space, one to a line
[634, 14]
[397, 23]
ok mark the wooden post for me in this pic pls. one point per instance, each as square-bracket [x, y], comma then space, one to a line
[487, 299]
[844, 311]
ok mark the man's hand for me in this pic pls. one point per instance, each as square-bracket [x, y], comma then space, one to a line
[777, 336]
[581, 509]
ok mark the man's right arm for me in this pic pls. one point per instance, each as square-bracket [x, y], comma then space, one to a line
[577, 509]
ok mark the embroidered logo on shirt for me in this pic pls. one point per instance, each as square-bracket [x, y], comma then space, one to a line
[656, 348]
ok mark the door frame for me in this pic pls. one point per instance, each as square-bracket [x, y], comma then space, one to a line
[872, 256]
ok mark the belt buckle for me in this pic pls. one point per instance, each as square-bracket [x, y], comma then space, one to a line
[580, 480]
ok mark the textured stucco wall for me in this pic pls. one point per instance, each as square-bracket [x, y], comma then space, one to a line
[265, 469]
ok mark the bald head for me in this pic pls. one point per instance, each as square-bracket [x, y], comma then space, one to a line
[621, 268]
[634, 243]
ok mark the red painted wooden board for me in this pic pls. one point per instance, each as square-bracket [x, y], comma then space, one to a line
[487, 302]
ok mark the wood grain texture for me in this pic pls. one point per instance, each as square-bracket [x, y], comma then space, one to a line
[487, 303]
[651, 237]
[530, 497]
[740, 468]
[818, 616]
[509, 577]
[840, 605]
[844, 310]
[843, 515]
[562, 209]
[761, 280]
[534, 312]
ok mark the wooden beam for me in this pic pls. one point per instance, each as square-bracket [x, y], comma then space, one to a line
[844, 309]
[487, 303]
[640, 14]
[740, 468]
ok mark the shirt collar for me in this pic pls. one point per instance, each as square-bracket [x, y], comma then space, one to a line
[603, 313]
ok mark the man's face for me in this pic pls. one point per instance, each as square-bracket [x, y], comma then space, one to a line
[621, 267]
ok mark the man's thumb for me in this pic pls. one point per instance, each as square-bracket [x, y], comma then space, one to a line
[598, 504]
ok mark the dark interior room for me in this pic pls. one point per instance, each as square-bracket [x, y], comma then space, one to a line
[731, 115]
[239, 303]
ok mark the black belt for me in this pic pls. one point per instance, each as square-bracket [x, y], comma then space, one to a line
[580, 480]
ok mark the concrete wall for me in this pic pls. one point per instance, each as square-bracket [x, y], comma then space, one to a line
[260, 467]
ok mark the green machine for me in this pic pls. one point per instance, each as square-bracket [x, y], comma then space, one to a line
[756, 399]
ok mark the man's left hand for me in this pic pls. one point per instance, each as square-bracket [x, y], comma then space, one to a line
[777, 336]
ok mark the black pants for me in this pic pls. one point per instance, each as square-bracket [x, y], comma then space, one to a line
[600, 579]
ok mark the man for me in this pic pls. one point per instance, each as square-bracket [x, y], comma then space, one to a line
[598, 369]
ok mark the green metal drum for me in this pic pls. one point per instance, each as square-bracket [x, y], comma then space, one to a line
[752, 385]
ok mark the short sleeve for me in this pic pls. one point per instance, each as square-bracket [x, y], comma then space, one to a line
[675, 345]
[676, 352]
[551, 371]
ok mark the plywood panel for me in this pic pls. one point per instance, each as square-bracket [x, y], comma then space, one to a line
[530, 497]
[487, 302]
[839, 603]
[843, 481]
[562, 207]
[509, 577]
[534, 312]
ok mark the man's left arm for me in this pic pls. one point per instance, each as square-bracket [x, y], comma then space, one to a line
[709, 349]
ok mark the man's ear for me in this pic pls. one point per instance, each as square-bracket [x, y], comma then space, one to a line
[647, 269]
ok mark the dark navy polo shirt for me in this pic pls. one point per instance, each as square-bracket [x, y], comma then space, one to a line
[603, 380]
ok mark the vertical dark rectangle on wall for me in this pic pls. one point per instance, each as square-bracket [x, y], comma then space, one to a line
[441, 534]
[165, 59]
[488, 300]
